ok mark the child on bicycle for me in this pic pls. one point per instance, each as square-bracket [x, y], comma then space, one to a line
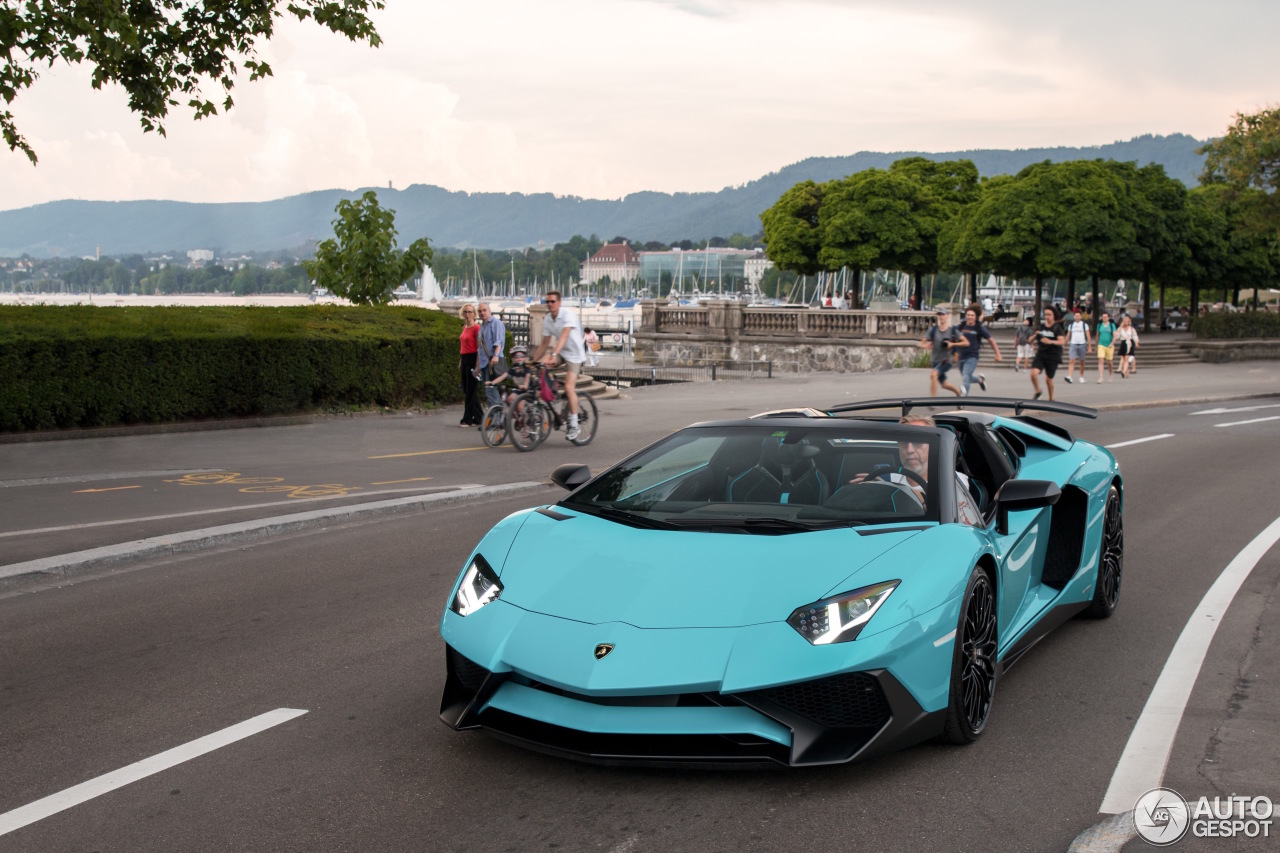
[518, 372]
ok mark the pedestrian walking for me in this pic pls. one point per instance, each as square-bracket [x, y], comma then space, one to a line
[1106, 351]
[1126, 345]
[974, 333]
[1024, 349]
[1049, 340]
[940, 341]
[1079, 345]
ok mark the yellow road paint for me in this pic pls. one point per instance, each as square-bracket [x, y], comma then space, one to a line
[429, 452]
[392, 482]
[264, 485]
[116, 489]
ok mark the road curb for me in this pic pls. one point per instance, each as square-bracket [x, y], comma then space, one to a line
[65, 565]
[1189, 401]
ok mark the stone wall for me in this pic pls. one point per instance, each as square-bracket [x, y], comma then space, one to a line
[1221, 352]
[796, 339]
[788, 356]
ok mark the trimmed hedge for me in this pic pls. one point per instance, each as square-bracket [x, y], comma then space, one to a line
[84, 366]
[1245, 324]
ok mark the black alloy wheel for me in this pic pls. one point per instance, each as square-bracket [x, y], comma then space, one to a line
[1106, 591]
[973, 670]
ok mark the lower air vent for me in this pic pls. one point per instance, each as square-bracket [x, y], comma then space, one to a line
[470, 673]
[843, 701]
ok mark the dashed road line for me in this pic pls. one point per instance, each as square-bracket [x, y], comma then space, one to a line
[1142, 764]
[1140, 440]
[1239, 409]
[432, 452]
[105, 784]
[259, 529]
[94, 478]
[1253, 421]
[214, 511]
[109, 489]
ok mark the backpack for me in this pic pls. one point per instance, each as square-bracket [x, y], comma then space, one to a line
[549, 387]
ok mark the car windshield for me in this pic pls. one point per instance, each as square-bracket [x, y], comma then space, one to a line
[767, 479]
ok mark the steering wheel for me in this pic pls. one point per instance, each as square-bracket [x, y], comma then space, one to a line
[905, 472]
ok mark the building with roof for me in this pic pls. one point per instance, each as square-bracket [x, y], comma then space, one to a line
[617, 262]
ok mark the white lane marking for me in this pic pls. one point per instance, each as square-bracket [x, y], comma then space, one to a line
[1240, 409]
[241, 508]
[1106, 837]
[85, 791]
[1140, 440]
[1146, 755]
[941, 641]
[1254, 421]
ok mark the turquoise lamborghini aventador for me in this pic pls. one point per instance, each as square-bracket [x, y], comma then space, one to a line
[803, 587]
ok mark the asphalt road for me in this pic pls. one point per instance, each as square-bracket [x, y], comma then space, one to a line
[63, 496]
[109, 668]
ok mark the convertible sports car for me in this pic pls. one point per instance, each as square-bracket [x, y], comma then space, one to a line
[802, 587]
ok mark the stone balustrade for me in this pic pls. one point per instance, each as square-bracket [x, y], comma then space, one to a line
[796, 339]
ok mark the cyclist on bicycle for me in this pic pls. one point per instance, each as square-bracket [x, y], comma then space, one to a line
[562, 336]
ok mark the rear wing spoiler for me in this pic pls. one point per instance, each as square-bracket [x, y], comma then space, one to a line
[1018, 406]
[906, 404]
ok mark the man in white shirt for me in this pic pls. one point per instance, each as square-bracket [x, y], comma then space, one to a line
[562, 336]
[1079, 344]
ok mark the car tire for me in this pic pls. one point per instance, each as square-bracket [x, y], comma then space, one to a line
[973, 662]
[1106, 587]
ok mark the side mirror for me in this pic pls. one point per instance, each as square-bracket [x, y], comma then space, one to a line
[1023, 494]
[571, 475]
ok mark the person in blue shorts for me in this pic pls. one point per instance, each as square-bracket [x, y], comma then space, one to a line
[940, 341]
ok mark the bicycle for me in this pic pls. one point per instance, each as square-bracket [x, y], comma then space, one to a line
[539, 418]
[498, 418]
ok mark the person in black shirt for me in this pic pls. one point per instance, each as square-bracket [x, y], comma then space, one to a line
[1049, 339]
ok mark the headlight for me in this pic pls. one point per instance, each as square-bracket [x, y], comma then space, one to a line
[840, 618]
[480, 586]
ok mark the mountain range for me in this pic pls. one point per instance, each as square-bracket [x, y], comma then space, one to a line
[495, 220]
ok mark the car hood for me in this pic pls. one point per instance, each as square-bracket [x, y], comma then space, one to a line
[593, 570]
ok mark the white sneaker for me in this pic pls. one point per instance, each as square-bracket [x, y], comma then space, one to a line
[1099, 381]
[572, 432]
[1068, 380]
[982, 381]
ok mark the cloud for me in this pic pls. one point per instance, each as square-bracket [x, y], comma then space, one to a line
[601, 98]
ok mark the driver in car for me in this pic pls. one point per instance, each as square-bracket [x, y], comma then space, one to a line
[915, 459]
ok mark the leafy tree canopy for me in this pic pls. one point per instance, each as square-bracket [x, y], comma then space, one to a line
[159, 51]
[791, 234]
[1249, 156]
[363, 264]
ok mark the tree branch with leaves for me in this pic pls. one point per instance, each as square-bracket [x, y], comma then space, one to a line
[159, 51]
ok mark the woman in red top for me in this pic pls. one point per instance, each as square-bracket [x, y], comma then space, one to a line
[472, 415]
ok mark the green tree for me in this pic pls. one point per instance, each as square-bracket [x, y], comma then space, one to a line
[1091, 234]
[1249, 156]
[1157, 205]
[791, 229]
[363, 264]
[867, 221]
[158, 51]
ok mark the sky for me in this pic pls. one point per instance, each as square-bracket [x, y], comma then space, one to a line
[602, 98]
